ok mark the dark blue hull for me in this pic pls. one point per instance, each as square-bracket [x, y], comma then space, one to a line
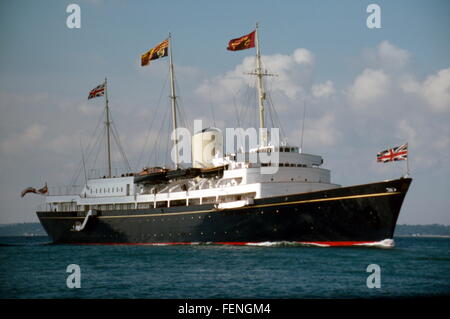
[347, 215]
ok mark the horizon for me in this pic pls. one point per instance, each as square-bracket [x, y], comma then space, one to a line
[366, 89]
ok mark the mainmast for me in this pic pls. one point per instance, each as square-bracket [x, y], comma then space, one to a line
[108, 125]
[173, 98]
[261, 94]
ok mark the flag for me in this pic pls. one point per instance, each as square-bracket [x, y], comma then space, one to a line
[242, 43]
[398, 153]
[28, 190]
[98, 91]
[43, 190]
[161, 50]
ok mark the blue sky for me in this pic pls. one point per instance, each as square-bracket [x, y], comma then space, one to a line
[367, 89]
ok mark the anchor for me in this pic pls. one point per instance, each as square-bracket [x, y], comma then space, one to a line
[80, 226]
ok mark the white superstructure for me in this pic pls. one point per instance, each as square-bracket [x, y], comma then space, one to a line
[296, 173]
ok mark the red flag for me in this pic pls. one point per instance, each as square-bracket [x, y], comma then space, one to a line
[28, 190]
[242, 43]
[43, 190]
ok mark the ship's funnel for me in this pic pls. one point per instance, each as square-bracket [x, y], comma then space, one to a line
[206, 145]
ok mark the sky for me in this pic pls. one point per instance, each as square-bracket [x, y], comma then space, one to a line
[365, 90]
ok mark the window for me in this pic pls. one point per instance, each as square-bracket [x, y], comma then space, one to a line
[161, 204]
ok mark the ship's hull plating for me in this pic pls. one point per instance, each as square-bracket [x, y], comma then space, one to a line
[342, 216]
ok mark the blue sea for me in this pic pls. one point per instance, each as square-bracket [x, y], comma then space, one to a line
[32, 267]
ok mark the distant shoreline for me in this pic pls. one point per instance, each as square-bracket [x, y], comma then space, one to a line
[422, 236]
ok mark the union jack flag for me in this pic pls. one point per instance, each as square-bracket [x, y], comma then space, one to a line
[398, 153]
[98, 91]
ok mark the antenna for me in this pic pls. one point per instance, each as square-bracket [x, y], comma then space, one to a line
[84, 164]
[303, 126]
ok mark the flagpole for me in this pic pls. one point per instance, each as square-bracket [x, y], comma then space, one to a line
[108, 123]
[303, 126]
[407, 160]
[262, 94]
[173, 99]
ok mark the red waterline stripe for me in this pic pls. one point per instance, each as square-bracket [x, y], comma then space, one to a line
[337, 243]
[322, 243]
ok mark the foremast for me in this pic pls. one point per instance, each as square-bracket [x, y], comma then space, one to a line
[108, 130]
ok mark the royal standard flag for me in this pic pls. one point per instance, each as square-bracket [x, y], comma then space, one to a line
[161, 50]
[242, 43]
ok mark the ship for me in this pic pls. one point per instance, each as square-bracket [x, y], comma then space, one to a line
[226, 198]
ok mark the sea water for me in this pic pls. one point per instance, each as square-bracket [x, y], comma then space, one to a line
[32, 267]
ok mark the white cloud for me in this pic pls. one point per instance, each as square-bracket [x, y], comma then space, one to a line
[392, 56]
[294, 76]
[386, 56]
[406, 132]
[303, 56]
[62, 143]
[441, 143]
[26, 138]
[368, 87]
[435, 90]
[322, 131]
[89, 109]
[323, 89]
